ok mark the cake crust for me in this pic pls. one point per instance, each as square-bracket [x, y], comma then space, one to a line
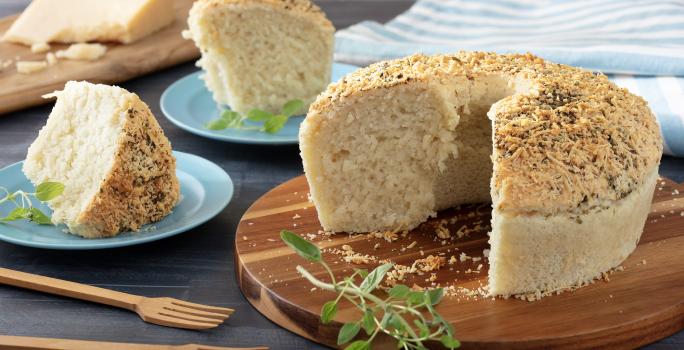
[141, 187]
[574, 139]
[300, 7]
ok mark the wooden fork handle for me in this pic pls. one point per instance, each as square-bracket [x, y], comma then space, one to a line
[30, 343]
[68, 289]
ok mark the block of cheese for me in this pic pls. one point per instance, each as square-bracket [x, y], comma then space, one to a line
[103, 143]
[69, 21]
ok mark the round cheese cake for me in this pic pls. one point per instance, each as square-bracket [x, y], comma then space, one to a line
[568, 159]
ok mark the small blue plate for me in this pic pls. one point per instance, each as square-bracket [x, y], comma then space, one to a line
[205, 190]
[188, 104]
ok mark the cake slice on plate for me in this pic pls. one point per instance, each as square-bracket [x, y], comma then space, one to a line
[103, 143]
[262, 53]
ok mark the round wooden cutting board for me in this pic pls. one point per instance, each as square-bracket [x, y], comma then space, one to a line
[642, 303]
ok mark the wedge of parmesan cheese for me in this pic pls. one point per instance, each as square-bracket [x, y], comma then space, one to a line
[73, 21]
[86, 52]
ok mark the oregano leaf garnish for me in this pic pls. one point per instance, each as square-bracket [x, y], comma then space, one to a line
[24, 208]
[271, 123]
[406, 315]
[347, 333]
[49, 190]
[39, 217]
[301, 246]
[328, 311]
[291, 107]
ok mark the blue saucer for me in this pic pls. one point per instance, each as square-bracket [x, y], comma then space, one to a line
[188, 104]
[205, 191]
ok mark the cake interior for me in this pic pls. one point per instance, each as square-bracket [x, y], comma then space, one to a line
[426, 148]
[67, 151]
[291, 56]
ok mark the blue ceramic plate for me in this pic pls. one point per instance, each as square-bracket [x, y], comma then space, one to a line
[188, 104]
[205, 190]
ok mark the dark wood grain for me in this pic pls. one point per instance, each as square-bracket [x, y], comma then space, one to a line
[197, 265]
[639, 305]
[160, 50]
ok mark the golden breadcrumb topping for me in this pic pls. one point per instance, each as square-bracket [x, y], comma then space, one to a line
[572, 143]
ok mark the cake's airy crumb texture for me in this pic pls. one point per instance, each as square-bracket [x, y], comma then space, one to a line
[262, 53]
[387, 146]
[103, 143]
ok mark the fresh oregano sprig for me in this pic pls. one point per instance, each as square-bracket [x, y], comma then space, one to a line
[24, 206]
[401, 314]
[271, 123]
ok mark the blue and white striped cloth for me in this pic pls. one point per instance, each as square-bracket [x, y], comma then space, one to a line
[638, 44]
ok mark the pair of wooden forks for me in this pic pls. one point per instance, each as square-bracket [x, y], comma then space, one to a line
[162, 311]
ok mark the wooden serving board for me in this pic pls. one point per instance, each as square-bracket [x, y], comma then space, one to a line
[160, 50]
[641, 304]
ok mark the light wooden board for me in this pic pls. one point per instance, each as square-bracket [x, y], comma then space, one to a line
[639, 305]
[122, 62]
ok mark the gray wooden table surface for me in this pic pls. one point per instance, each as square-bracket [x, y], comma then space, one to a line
[197, 265]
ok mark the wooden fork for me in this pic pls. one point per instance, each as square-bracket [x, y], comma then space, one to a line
[31, 343]
[162, 311]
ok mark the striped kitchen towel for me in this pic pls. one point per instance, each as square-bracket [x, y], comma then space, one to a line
[638, 44]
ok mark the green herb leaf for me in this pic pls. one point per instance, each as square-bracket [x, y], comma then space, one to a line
[438, 319]
[446, 324]
[362, 272]
[328, 311]
[257, 115]
[347, 333]
[304, 248]
[291, 107]
[368, 321]
[415, 298]
[375, 277]
[275, 123]
[39, 217]
[449, 342]
[399, 291]
[358, 345]
[435, 296]
[217, 124]
[395, 322]
[423, 329]
[17, 214]
[49, 190]
[233, 119]
[385, 319]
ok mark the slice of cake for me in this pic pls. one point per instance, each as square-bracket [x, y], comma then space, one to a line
[262, 53]
[103, 143]
[568, 159]
[76, 21]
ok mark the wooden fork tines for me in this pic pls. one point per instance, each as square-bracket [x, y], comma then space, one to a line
[162, 311]
[180, 314]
